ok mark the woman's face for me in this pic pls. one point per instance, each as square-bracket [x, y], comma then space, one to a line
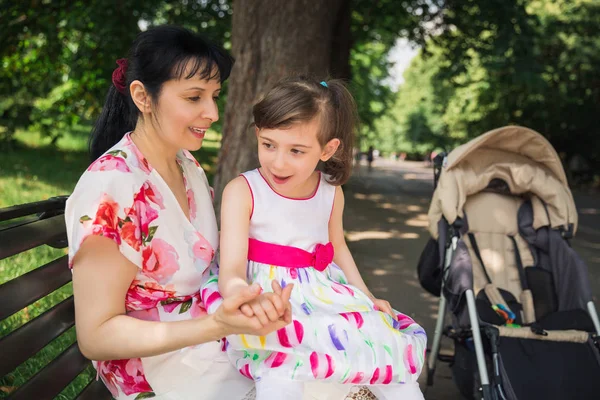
[186, 109]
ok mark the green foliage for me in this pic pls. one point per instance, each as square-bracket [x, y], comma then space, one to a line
[57, 56]
[505, 62]
[375, 27]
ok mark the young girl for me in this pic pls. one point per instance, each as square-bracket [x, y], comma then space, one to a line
[283, 221]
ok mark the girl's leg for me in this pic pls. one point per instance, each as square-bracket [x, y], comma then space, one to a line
[277, 389]
[406, 391]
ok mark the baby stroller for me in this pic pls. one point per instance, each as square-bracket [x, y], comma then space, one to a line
[523, 322]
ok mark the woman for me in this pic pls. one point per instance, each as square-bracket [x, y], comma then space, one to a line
[142, 231]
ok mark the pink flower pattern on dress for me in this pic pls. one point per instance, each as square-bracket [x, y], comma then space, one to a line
[134, 224]
[160, 261]
[127, 375]
[110, 162]
[191, 204]
[202, 248]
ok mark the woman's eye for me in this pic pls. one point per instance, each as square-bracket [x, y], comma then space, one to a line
[194, 99]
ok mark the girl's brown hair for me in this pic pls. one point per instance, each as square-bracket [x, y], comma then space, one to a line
[300, 99]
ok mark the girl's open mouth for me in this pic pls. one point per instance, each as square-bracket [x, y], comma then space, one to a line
[280, 180]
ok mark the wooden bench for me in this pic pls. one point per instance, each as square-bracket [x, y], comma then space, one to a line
[22, 228]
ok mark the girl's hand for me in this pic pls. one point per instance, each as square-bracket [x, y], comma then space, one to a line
[268, 307]
[232, 320]
[383, 306]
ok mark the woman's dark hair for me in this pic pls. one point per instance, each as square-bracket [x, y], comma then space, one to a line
[300, 99]
[155, 57]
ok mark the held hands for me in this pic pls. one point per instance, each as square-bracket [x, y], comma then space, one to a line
[268, 307]
[237, 314]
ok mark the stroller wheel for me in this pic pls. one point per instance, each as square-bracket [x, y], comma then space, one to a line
[465, 373]
[477, 392]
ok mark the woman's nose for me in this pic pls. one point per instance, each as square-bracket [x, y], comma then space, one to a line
[211, 111]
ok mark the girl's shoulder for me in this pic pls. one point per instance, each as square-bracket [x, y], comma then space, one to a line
[325, 184]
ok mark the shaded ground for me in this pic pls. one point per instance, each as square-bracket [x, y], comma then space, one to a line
[386, 219]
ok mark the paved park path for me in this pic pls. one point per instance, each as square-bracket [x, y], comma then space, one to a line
[385, 221]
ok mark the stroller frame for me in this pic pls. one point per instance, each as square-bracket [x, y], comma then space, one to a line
[476, 325]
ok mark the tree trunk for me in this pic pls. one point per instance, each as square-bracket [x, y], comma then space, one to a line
[270, 39]
[339, 66]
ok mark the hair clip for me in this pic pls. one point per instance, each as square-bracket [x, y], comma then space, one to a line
[323, 83]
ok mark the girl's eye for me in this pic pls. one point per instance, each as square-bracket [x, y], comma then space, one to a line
[193, 99]
[296, 151]
[267, 145]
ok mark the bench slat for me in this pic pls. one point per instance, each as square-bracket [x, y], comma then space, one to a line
[21, 210]
[18, 346]
[18, 293]
[54, 377]
[95, 391]
[24, 237]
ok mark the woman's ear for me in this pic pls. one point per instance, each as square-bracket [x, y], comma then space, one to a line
[140, 96]
[330, 148]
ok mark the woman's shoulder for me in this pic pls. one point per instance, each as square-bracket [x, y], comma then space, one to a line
[122, 159]
[118, 173]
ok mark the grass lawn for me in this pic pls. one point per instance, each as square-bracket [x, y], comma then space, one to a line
[32, 171]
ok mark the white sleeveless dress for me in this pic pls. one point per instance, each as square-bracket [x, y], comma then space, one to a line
[336, 335]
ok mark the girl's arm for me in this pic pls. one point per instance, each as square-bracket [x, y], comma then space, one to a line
[236, 207]
[101, 278]
[236, 210]
[342, 256]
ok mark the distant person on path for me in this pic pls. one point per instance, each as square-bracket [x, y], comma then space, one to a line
[283, 222]
[370, 156]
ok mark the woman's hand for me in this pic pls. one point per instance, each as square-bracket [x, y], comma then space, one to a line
[233, 321]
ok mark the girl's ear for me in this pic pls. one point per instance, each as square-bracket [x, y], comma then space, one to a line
[330, 148]
[140, 96]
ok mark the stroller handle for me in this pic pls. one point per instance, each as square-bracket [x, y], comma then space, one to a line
[438, 164]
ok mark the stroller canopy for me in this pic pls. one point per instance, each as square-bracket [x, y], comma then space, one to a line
[516, 158]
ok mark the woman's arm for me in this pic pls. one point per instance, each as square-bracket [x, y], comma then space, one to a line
[236, 207]
[101, 278]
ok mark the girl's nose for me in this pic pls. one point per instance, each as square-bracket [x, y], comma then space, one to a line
[279, 160]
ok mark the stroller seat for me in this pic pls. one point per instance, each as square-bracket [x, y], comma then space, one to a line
[492, 222]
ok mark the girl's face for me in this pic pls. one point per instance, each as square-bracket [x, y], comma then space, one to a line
[186, 109]
[288, 157]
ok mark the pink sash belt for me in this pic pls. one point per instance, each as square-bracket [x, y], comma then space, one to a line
[290, 257]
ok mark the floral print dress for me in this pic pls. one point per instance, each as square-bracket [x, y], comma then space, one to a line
[123, 198]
